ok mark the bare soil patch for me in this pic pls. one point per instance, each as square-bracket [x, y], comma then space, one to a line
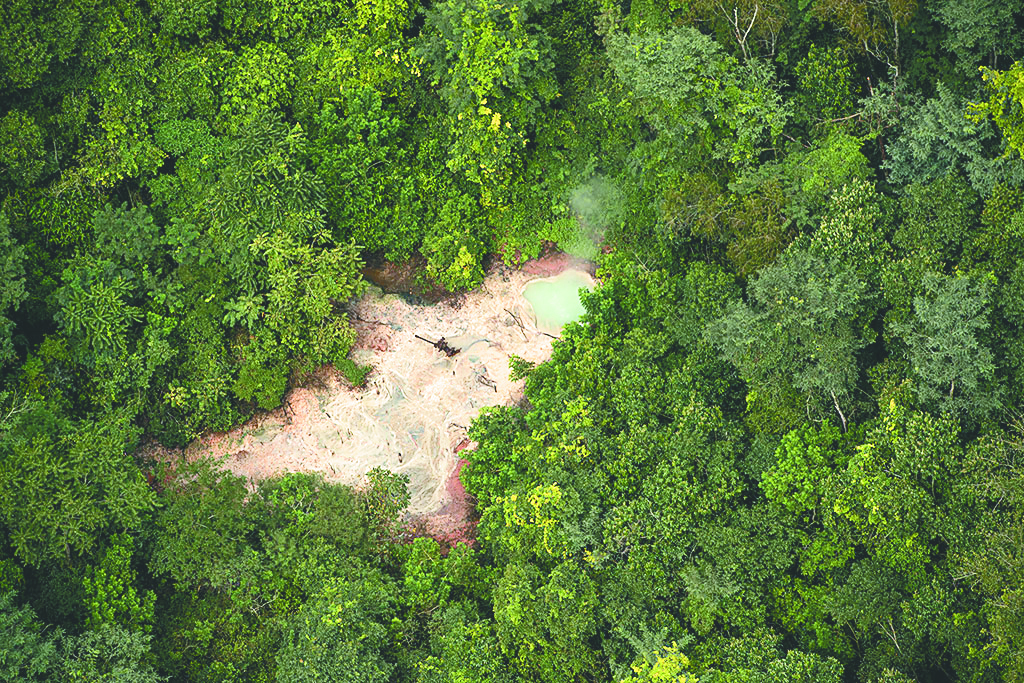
[412, 415]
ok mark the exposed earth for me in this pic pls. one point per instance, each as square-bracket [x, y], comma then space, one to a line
[412, 414]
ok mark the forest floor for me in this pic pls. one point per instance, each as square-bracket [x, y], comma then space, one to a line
[412, 414]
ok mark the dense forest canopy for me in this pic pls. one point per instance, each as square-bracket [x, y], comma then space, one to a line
[783, 444]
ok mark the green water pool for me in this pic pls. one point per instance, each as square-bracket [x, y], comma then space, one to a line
[556, 300]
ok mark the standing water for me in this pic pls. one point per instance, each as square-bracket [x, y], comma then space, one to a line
[556, 300]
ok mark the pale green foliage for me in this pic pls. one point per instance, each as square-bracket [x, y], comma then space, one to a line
[980, 30]
[688, 88]
[425, 584]
[758, 657]
[196, 153]
[667, 666]
[891, 492]
[808, 175]
[366, 51]
[340, 635]
[953, 365]
[892, 676]
[261, 79]
[804, 459]
[802, 329]
[95, 312]
[465, 649]
[938, 139]
[27, 653]
[854, 229]
[284, 22]
[291, 313]
[834, 160]
[384, 499]
[302, 283]
[993, 551]
[545, 623]
[117, 142]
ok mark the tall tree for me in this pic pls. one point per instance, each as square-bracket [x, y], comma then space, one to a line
[689, 90]
[953, 365]
[800, 332]
[64, 483]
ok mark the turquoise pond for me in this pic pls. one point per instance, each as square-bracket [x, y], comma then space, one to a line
[556, 300]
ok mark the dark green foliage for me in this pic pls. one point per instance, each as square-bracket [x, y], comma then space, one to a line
[936, 218]
[110, 653]
[464, 647]
[992, 550]
[805, 178]
[980, 32]
[21, 149]
[13, 292]
[201, 528]
[36, 33]
[356, 154]
[871, 28]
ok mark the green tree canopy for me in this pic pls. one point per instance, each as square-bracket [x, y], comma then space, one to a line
[799, 334]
